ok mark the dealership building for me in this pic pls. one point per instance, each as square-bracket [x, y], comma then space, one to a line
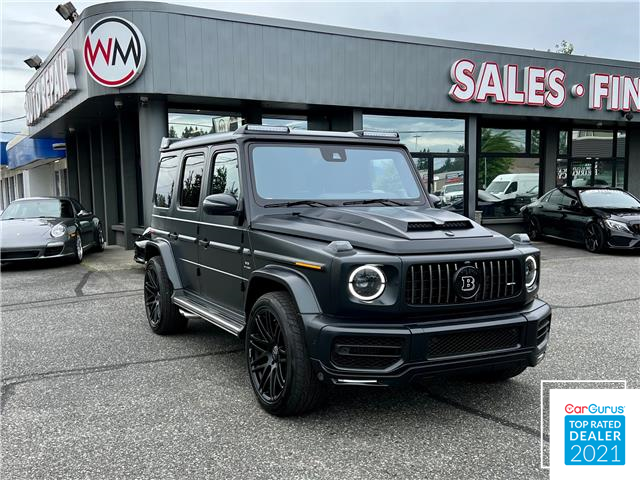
[126, 74]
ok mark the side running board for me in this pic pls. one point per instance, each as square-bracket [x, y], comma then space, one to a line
[193, 308]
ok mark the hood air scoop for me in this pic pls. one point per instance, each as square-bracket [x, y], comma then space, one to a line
[432, 226]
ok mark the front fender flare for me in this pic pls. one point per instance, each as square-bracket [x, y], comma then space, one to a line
[294, 282]
[163, 248]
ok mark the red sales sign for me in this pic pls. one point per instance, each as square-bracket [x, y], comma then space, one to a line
[539, 86]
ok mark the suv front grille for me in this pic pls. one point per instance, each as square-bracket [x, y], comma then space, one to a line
[464, 343]
[366, 352]
[433, 283]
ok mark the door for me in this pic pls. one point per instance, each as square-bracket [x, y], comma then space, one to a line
[183, 234]
[573, 217]
[223, 237]
[550, 213]
[84, 218]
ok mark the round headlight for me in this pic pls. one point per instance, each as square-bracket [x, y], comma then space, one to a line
[58, 231]
[530, 272]
[367, 282]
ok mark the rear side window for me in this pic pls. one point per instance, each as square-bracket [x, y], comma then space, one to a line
[165, 186]
[556, 197]
[192, 181]
[226, 178]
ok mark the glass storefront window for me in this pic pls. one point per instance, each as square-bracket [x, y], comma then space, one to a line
[563, 142]
[448, 182]
[422, 134]
[535, 141]
[621, 145]
[561, 172]
[592, 143]
[603, 173]
[503, 140]
[187, 125]
[620, 173]
[581, 173]
[294, 123]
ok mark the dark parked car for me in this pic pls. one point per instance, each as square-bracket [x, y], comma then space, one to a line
[48, 227]
[323, 250]
[488, 204]
[596, 217]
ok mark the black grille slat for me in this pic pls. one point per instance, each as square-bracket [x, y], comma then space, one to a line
[366, 352]
[465, 343]
[432, 226]
[432, 284]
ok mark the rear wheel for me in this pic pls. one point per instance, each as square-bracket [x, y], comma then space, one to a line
[99, 239]
[499, 374]
[533, 228]
[277, 358]
[163, 315]
[594, 238]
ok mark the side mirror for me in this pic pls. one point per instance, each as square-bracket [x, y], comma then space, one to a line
[220, 204]
[435, 200]
[85, 213]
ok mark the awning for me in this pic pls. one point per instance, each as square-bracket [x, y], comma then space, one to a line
[29, 150]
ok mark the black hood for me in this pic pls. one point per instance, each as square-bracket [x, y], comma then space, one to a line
[629, 215]
[395, 230]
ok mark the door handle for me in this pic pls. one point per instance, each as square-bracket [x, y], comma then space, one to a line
[172, 236]
[204, 243]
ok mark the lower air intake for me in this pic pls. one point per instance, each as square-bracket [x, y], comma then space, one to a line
[366, 352]
[465, 343]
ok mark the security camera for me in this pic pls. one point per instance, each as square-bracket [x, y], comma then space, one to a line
[628, 116]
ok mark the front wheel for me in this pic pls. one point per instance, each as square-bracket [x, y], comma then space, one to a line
[99, 239]
[594, 238]
[277, 358]
[533, 228]
[163, 315]
[78, 251]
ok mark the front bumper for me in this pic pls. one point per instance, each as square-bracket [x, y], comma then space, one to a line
[397, 352]
[53, 249]
[623, 240]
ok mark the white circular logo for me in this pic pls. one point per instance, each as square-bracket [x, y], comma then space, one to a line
[114, 52]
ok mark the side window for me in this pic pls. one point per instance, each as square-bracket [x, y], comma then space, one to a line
[512, 188]
[226, 178]
[192, 181]
[567, 199]
[77, 206]
[556, 197]
[66, 210]
[165, 185]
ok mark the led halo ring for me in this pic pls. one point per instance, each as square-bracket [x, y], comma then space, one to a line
[530, 284]
[58, 230]
[378, 271]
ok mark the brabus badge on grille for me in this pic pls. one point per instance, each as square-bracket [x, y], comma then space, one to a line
[467, 282]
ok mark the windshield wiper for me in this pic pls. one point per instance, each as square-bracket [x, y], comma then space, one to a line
[311, 203]
[384, 201]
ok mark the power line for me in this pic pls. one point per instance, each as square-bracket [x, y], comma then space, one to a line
[12, 119]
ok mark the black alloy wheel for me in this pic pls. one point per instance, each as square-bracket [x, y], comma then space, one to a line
[99, 239]
[267, 355]
[152, 297]
[163, 315]
[277, 359]
[594, 238]
[533, 228]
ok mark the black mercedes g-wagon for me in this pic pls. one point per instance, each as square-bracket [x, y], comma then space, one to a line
[325, 253]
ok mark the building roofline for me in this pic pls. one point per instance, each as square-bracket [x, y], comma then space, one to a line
[131, 6]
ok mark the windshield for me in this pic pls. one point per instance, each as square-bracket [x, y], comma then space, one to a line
[332, 172]
[608, 199]
[497, 187]
[45, 208]
[453, 188]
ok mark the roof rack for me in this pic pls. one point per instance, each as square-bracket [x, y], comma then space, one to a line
[253, 128]
[166, 142]
[391, 135]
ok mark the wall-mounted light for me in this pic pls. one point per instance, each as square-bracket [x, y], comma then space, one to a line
[67, 11]
[144, 101]
[118, 103]
[34, 61]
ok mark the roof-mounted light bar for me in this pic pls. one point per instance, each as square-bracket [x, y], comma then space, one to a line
[378, 134]
[167, 141]
[250, 128]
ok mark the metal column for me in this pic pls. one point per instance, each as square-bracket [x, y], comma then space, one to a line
[128, 138]
[97, 182]
[109, 175]
[84, 169]
[549, 158]
[72, 166]
[471, 167]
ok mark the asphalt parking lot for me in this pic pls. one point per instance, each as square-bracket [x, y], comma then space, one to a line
[89, 392]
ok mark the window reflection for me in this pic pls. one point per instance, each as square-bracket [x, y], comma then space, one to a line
[187, 125]
[293, 122]
[422, 134]
[592, 143]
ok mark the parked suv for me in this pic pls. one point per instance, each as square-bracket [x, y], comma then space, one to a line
[323, 250]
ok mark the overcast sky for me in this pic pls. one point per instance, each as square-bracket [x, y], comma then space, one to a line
[596, 28]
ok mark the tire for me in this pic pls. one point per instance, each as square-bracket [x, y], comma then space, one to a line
[277, 360]
[533, 228]
[78, 253]
[99, 239]
[499, 374]
[162, 314]
[594, 238]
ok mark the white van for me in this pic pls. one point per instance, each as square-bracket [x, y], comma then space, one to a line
[511, 185]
